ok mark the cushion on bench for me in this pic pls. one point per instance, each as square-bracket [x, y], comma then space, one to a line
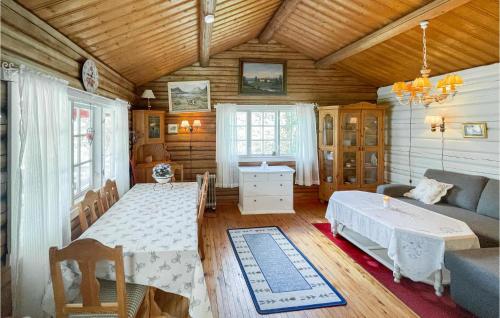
[488, 203]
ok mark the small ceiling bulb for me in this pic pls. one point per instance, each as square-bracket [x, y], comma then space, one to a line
[209, 18]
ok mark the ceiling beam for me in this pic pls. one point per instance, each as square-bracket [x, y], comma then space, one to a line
[277, 20]
[409, 21]
[207, 7]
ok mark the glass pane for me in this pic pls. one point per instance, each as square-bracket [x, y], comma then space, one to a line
[256, 133]
[241, 147]
[241, 118]
[76, 150]
[85, 149]
[328, 162]
[85, 176]
[76, 177]
[85, 120]
[328, 130]
[370, 167]
[256, 147]
[74, 118]
[269, 148]
[241, 133]
[256, 118]
[285, 132]
[285, 147]
[350, 130]
[154, 128]
[269, 118]
[349, 168]
[108, 145]
[285, 118]
[371, 130]
[268, 133]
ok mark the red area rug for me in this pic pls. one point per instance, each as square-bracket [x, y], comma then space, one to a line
[419, 297]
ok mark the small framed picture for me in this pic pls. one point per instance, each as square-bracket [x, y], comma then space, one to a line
[475, 130]
[172, 129]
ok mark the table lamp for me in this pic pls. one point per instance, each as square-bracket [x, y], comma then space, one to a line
[149, 95]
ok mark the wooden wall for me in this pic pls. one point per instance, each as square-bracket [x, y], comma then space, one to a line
[476, 101]
[305, 84]
[25, 39]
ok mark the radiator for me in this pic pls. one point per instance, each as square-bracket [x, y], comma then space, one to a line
[211, 189]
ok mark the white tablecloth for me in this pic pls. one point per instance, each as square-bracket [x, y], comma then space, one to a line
[156, 225]
[416, 238]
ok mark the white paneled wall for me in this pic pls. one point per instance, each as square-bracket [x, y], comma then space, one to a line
[477, 101]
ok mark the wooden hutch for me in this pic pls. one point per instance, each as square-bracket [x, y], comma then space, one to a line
[351, 148]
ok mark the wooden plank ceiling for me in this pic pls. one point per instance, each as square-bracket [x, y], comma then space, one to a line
[145, 39]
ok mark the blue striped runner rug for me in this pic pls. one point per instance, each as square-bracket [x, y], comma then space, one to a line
[280, 278]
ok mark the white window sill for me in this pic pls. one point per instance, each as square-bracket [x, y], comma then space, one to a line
[267, 159]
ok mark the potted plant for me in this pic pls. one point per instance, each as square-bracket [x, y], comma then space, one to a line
[162, 173]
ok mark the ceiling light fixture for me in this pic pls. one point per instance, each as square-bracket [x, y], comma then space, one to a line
[209, 18]
[420, 90]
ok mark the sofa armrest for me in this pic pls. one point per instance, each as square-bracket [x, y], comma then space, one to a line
[394, 190]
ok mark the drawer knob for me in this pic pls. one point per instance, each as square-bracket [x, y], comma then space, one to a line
[281, 199]
[281, 175]
[281, 184]
[255, 186]
[255, 176]
[254, 200]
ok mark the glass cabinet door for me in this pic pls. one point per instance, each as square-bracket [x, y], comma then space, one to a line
[371, 129]
[370, 167]
[327, 161]
[350, 168]
[328, 130]
[350, 129]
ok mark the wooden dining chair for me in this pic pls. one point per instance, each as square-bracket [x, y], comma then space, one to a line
[98, 298]
[109, 194]
[90, 208]
[201, 212]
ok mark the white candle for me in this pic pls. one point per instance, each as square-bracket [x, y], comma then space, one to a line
[386, 201]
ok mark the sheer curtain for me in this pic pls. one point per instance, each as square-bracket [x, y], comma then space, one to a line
[121, 146]
[226, 153]
[306, 159]
[41, 193]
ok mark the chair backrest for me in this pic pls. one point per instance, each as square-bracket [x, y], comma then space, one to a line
[87, 252]
[91, 204]
[109, 194]
[202, 198]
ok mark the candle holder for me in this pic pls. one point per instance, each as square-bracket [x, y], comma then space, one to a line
[386, 201]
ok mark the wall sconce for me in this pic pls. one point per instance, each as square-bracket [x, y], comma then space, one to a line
[435, 121]
[187, 127]
[149, 95]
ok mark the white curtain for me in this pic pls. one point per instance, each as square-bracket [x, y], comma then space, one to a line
[41, 197]
[226, 152]
[121, 146]
[306, 159]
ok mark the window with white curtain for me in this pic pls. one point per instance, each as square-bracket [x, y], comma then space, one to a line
[266, 134]
[92, 145]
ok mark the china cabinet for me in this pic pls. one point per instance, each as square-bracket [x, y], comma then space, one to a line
[350, 148]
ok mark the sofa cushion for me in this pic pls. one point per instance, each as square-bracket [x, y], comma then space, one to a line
[478, 265]
[466, 189]
[488, 203]
[484, 227]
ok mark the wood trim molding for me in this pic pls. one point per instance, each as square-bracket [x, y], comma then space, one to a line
[409, 21]
[206, 7]
[286, 8]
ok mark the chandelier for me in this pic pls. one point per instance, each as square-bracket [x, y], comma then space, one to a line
[420, 90]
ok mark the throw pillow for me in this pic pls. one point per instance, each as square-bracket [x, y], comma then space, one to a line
[429, 191]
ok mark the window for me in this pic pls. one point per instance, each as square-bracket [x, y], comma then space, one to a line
[92, 143]
[266, 133]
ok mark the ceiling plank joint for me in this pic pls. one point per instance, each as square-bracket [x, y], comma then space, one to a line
[407, 22]
[286, 8]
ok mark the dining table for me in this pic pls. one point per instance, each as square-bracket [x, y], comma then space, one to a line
[157, 226]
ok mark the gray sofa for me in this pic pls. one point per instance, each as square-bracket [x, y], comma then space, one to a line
[475, 201]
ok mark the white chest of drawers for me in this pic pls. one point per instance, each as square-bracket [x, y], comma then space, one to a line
[266, 190]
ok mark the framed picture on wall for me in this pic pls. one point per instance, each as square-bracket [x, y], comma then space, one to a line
[475, 130]
[172, 129]
[189, 96]
[262, 77]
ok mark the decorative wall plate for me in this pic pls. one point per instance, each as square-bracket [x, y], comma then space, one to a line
[90, 76]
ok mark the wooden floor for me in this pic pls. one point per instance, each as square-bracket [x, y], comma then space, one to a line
[228, 292]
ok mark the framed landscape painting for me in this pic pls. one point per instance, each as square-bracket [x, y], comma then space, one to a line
[189, 97]
[262, 77]
[475, 130]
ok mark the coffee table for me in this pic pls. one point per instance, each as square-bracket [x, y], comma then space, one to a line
[407, 239]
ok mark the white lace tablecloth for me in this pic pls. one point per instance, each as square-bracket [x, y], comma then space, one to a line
[415, 238]
[156, 225]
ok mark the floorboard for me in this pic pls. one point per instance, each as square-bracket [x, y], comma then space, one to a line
[228, 292]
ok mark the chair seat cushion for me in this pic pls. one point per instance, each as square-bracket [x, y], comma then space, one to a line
[135, 296]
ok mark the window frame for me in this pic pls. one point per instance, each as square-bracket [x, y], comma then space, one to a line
[249, 157]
